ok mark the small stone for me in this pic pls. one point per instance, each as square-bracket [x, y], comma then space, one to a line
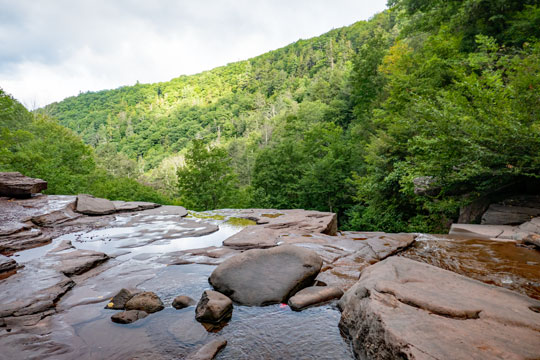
[128, 317]
[146, 301]
[183, 301]
[213, 307]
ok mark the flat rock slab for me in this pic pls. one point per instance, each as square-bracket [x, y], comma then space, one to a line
[118, 301]
[77, 262]
[504, 264]
[404, 309]
[360, 250]
[274, 224]
[262, 277]
[32, 290]
[18, 232]
[314, 295]
[491, 232]
[126, 206]
[15, 184]
[89, 205]
[210, 350]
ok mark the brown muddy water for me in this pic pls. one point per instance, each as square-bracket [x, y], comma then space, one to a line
[82, 328]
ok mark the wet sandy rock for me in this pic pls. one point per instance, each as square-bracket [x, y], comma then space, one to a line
[146, 301]
[210, 350]
[260, 277]
[404, 309]
[128, 317]
[182, 301]
[15, 184]
[213, 308]
[314, 295]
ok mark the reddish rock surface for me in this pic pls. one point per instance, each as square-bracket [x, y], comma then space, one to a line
[15, 184]
[401, 308]
[274, 224]
[314, 295]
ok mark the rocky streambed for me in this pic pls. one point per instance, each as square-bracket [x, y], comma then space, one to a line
[415, 296]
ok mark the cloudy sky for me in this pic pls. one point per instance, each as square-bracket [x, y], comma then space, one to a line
[51, 49]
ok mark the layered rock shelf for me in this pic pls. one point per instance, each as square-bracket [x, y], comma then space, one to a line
[76, 271]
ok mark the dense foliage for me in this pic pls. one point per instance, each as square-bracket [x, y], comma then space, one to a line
[447, 90]
[38, 146]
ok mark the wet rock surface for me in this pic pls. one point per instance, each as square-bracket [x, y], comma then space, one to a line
[54, 305]
[401, 308]
[273, 225]
[118, 301]
[314, 295]
[213, 307]
[182, 301]
[15, 184]
[504, 264]
[146, 301]
[209, 351]
[129, 316]
[266, 276]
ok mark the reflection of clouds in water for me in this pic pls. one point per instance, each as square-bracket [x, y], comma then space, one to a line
[155, 234]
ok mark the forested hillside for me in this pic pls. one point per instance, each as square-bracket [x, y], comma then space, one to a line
[443, 91]
[38, 146]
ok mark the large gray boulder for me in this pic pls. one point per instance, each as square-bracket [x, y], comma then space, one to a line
[405, 309]
[15, 184]
[262, 277]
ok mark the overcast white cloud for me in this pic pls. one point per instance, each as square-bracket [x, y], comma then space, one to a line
[51, 49]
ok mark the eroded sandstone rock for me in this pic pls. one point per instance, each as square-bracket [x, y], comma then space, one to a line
[261, 277]
[15, 184]
[271, 229]
[146, 301]
[182, 301]
[401, 308]
[89, 205]
[7, 264]
[314, 295]
[128, 317]
[213, 307]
